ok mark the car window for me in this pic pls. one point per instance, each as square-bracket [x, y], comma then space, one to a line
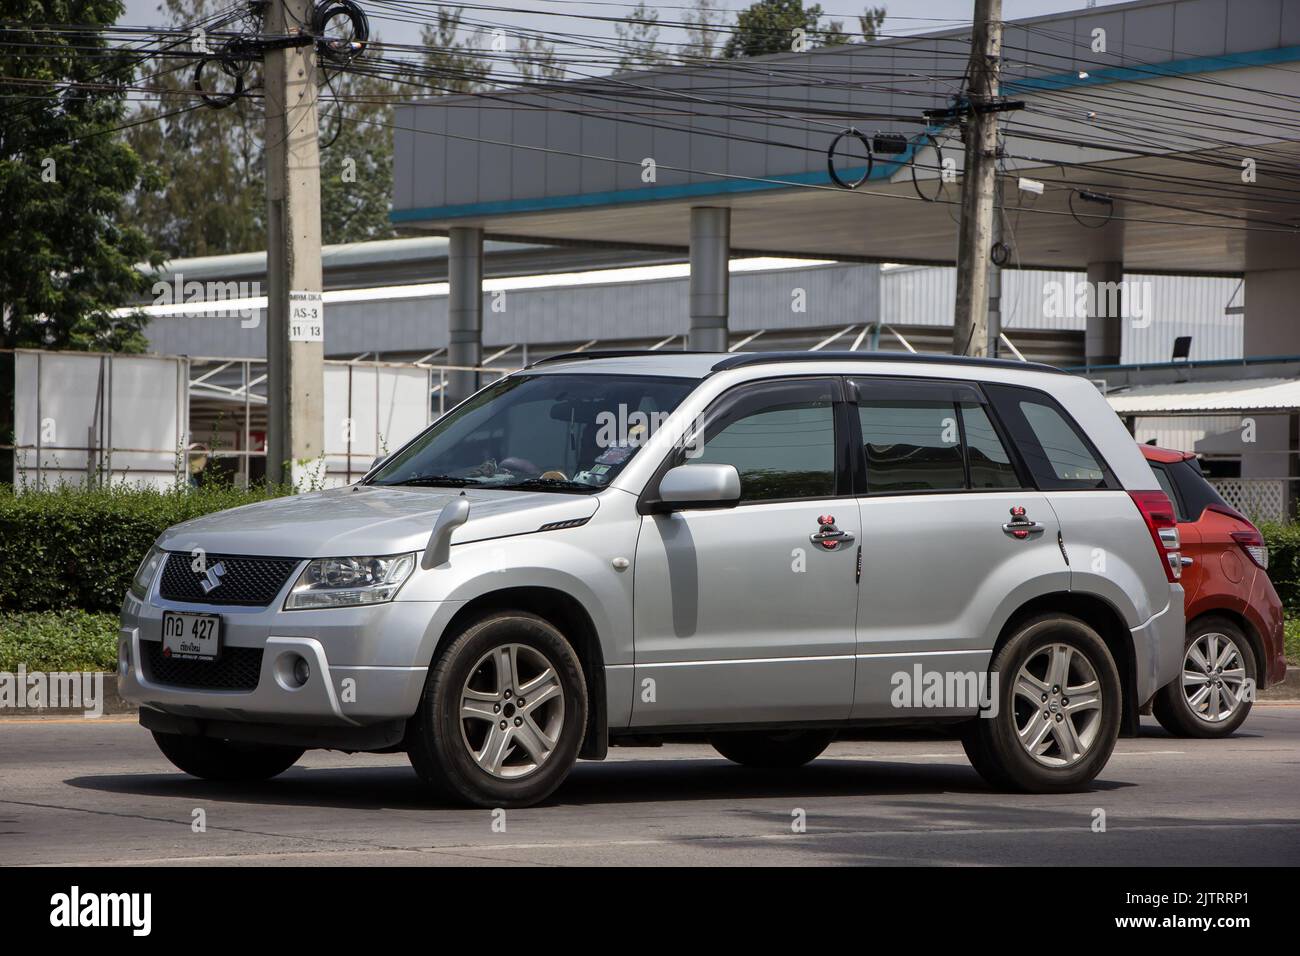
[1167, 486]
[551, 432]
[911, 445]
[1195, 494]
[780, 437]
[990, 464]
[1050, 443]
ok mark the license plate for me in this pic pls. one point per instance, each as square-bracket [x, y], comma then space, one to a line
[191, 637]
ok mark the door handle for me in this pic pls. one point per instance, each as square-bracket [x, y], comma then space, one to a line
[827, 536]
[830, 540]
[1020, 526]
[1022, 529]
[1186, 562]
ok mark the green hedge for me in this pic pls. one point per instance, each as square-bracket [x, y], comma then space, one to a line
[1284, 563]
[75, 548]
[58, 641]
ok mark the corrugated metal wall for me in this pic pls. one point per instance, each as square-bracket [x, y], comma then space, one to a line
[844, 294]
[827, 294]
[1171, 306]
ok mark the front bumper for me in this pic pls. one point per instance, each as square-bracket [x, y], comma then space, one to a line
[367, 665]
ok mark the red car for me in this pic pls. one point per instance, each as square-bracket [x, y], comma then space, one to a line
[1234, 617]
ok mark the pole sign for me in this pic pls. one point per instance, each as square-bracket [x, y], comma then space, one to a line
[306, 317]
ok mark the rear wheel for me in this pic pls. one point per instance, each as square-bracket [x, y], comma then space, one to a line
[503, 713]
[1058, 695]
[213, 759]
[1210, 697]
[772, 749]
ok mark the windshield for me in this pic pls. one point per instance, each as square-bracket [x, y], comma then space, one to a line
[549, 432]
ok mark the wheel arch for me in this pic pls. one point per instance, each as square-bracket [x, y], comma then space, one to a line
[1107, 621]
[571, 618]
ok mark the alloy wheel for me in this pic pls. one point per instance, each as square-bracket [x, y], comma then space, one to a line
[1057, 705]
[1214, 677]
[512, 711]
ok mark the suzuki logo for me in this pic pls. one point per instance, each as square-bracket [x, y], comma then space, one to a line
[212, 580]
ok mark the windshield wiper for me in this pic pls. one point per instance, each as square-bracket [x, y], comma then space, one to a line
[451, 481]
[548, 483]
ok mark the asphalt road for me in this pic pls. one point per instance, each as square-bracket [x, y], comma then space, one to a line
[77, 792]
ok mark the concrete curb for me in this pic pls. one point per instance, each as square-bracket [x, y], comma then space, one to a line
[1288, 689]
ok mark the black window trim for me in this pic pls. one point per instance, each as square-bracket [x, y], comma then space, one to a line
[958, 386]
[1110, 482]
[649, 503]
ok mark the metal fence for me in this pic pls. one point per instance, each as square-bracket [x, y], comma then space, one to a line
[96, 418]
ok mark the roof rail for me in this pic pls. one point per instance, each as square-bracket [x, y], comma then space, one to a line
[614, 353]
[940, 358]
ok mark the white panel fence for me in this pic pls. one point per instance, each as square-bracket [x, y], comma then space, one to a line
[91, 418]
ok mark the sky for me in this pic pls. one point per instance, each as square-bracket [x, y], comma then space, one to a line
[904, 16]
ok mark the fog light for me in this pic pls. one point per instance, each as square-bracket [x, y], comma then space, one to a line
[123, 658]
[301, 671]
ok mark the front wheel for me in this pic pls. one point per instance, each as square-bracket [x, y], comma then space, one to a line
[503, 713]
[1058, 694]
[771, 750]
[231, 760]
[1212, 696]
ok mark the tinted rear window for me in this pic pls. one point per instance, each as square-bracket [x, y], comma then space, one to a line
[1197, 493]
[1055, 449]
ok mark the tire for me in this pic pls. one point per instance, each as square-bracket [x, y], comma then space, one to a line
[474, 760]
[1077, 738]
[230, 760]
[1172, 706]
[772, 749]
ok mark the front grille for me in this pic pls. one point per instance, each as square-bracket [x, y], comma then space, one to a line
[243, 581]
[236, 668]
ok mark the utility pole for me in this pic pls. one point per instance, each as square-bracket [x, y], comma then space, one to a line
[970, 323]
[994, 323]
[295, 340]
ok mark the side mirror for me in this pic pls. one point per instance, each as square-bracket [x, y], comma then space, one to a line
[700, 486]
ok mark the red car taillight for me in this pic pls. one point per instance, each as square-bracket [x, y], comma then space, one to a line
[1158, 512]
[1252, 542]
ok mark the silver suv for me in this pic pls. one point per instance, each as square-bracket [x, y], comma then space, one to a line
[761, 550]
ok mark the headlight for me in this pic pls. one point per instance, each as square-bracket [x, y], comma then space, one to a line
[145, 574]
[346, 582]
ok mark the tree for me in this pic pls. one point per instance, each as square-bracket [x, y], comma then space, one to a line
[356, 169]
[638, 35]
[771, 26]
[454, 60]
[702, 25]
[535, 60]
[67, 253]
[211, 195]
[870, 21]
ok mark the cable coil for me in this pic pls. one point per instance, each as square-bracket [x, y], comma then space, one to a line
[830, 159]
[340, 49]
